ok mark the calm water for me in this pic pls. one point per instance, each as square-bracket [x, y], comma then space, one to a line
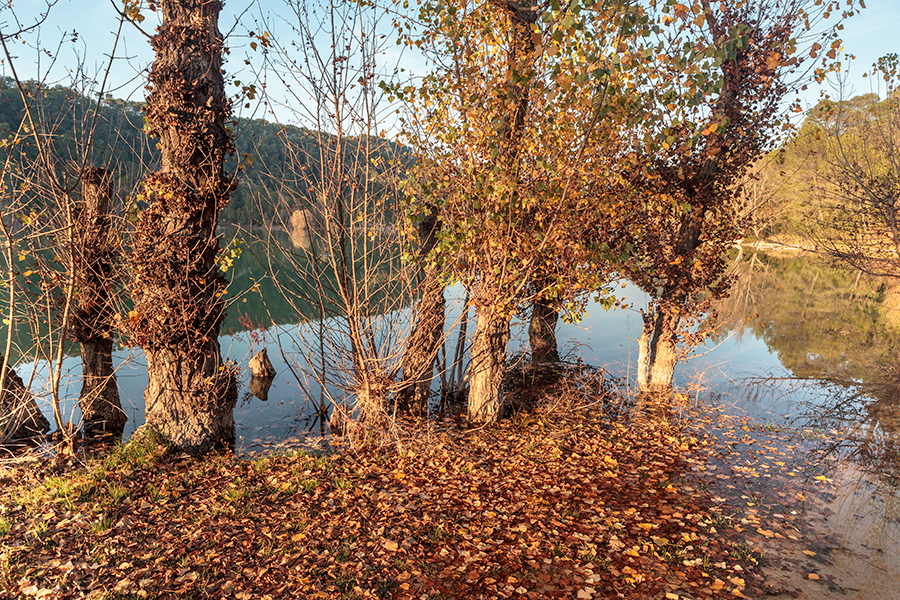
[799, 344]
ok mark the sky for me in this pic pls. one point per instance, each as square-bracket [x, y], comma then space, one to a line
[868, 35]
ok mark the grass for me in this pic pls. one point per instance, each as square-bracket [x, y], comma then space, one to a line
[309, 485]
[100, 525]
[116, 492]
[744, 552]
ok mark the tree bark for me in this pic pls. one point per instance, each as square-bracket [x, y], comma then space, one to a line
[658, 355]
[425, 340]
[488, 366]
[542, 332]
[663, 355]
[20, 416]
[99, 402]
[178, 289]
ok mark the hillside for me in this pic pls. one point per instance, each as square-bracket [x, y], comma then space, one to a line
[276, 164]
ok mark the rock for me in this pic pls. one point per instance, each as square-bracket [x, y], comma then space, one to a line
[261, 366]
[302, 227]
[259, 387]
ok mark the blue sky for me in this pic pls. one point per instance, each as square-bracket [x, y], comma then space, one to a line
[868, 35]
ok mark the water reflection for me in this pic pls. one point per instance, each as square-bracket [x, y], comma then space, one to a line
[835, 337]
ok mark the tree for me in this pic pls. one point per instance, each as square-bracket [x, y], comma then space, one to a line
[177, 286]
[92, 319]
[744, 59]
[43, 165]
[337, 196]
[509, 133]
[859, 169]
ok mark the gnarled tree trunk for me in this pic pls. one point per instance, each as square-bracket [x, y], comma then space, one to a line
[422, 346]
[191, 392]
[92, 322]
[488, 366]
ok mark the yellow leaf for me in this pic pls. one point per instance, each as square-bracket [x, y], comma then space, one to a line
[813, 576]
[809, 553]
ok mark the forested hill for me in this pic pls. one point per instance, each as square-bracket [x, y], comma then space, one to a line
[272, 156]
[834, 178]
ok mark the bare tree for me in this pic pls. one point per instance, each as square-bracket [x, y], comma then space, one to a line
[859, 167]
[92, 327]
[341, 267]
[41, 178]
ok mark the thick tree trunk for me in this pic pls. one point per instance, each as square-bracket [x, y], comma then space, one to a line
[542, 332]
[428, 334]
[92, 322]
[20, 416]
[488, 366]
[492, 327]
[663, 355]
[658, 343]
[178, 289]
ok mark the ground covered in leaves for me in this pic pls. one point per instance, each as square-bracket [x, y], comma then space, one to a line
[573, 506]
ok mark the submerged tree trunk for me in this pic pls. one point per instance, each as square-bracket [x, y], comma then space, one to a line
[20, 416]
[178, 288]
[92, 323]
[488, 366]
[428, 334]
[658, 350]
[542, 332]
[643, 368]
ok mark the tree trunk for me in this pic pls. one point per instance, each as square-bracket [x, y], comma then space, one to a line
[92, 322]
[488, 366]
[542, 332]
[643, 369]
[425, 340]
[20, 416]
[658, 342]
[178, 288]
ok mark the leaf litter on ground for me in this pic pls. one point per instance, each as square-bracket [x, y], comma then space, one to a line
[571, 505]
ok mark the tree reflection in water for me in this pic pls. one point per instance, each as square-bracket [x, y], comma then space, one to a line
[835, 333]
